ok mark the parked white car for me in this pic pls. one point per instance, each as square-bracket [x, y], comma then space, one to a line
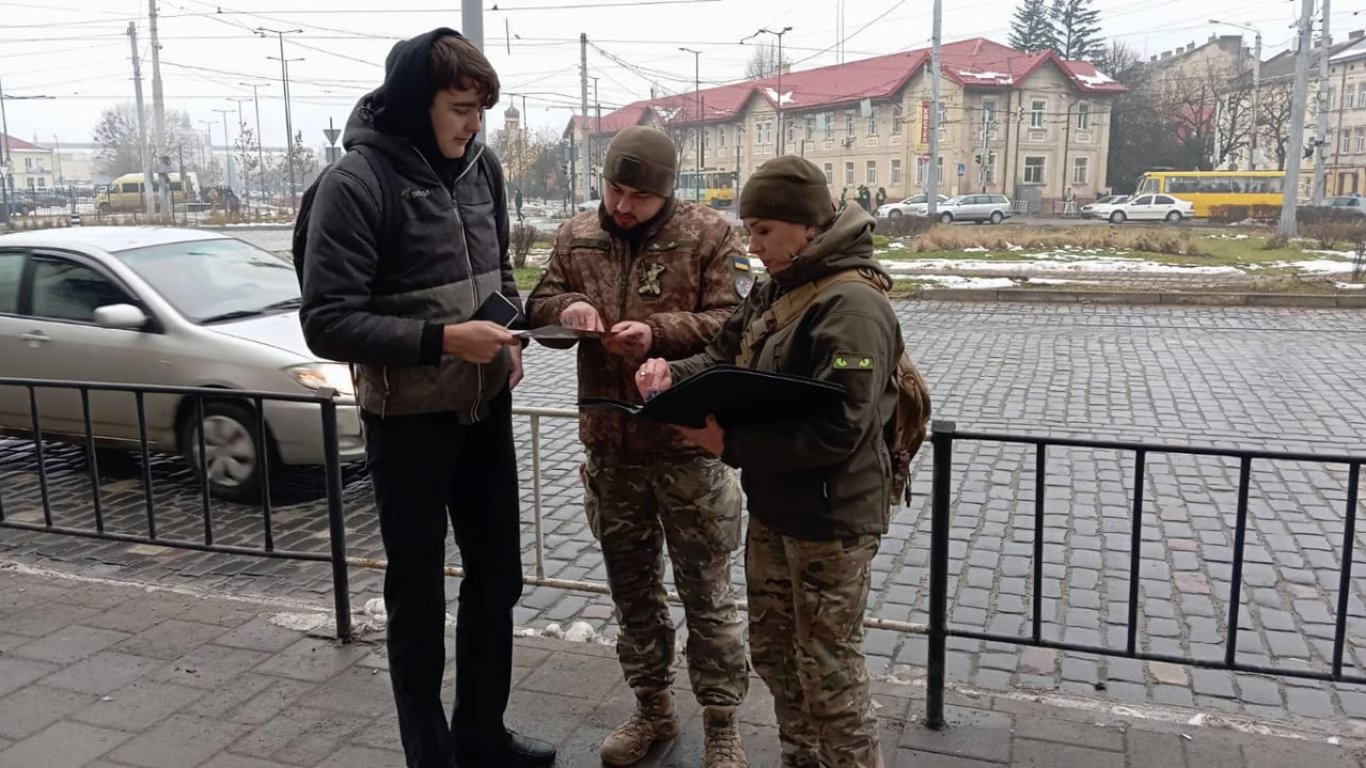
[906, 207]
[1152, 208]
[1102, 208]
[979, 208]
[168, 307]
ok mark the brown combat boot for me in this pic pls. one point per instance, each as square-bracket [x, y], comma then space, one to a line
[654, 720]
[722, 730]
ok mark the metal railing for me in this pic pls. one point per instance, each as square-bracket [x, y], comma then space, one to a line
[326, 401]
[943, 439]
[945, 435]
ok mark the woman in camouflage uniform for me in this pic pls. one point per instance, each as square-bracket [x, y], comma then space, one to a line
[818, 489]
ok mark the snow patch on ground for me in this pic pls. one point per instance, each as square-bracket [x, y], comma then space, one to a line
[578, 632]
[1044, 265]
[1350, 286]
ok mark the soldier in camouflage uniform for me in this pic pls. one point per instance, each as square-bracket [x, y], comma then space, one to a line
[819, 488]
[662, 275]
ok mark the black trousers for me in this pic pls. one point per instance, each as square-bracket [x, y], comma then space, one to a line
[426, 469]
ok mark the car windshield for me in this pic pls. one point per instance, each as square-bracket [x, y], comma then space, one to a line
[220, 279]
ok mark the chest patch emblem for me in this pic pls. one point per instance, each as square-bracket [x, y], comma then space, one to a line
[650, 284]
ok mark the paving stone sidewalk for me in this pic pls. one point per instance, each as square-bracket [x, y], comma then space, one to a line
[104, 674]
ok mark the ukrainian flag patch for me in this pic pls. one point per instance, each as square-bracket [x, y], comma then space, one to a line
[852, 361]
[742, 262]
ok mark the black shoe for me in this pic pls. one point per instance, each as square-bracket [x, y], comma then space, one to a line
[515, 751]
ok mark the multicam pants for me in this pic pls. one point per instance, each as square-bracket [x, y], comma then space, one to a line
[693, 509]
[806, 605]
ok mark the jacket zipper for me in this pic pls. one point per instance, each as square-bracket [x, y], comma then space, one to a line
[469, 264]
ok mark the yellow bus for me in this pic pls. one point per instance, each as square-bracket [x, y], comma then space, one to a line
[716, 188]
[125, 192]
[1208, 189]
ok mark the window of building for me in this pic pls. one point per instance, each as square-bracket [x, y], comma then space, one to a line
[1033, 170]
[721, 136]
[1361, 140]
[1346, 144]
[830, 174]
[896, 172]
[1036, 113]
[1361, 96]
[1083, 116]
[896, 121]
[849, 123]
[922, 163]
[810, 129]
[1081, 170]
[1349, 96]
[848, 172]
[988, 112]
[870, 173]
[872, 121]
[829, 126]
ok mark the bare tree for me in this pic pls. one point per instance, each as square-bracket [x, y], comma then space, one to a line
[764, 63]
[1273, 121]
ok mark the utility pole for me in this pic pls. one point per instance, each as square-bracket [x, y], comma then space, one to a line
[289, 120]
[587, 135]
[1321, 107]
[1290, 190]
[57, 155]
[472, 21]
[932, 173]
[6, 160]
[260, 155]
[597, 110]
[147, 204]
[158, 113]
[227, 144]
[697, 92]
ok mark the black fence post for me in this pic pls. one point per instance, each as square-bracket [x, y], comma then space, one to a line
[336, 522]
[942, 441]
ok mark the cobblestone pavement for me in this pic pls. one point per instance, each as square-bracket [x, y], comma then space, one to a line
[104, 674]
[1231, 377]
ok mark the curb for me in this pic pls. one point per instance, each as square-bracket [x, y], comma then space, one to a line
[1152, 298]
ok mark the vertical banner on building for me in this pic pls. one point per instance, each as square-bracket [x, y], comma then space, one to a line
[924, 122]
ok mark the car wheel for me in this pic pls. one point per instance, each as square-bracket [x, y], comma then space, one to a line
[233, 461]
[894, 214]
[997, 217]
[1174, 217]
[1118, 217]
[946, 218]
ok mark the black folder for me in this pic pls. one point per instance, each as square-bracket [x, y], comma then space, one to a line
[734, 395]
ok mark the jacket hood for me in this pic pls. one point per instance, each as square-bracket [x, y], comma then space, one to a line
[846, 244]
[398, 112]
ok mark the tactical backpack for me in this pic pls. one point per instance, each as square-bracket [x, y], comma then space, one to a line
[391, 208]
[910, 423]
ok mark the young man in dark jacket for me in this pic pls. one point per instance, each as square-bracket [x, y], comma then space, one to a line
[434, 386]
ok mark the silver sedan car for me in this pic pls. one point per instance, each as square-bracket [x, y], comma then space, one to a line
[169, 307]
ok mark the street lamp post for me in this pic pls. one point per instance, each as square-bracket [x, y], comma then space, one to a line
[779, 100]
[227, 147]
[697, 132]
[260, 155]
[1256, 83]
[289, 120]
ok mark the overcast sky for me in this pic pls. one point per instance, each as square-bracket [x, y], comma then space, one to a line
[78, 52]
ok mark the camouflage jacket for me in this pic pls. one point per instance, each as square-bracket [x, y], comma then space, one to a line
[683, 279]
[827, 475]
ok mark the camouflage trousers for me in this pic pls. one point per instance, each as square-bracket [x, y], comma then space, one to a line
[806, 605]
[693, 509]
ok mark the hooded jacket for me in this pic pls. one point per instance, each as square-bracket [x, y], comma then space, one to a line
[382, 305]
[827, 476]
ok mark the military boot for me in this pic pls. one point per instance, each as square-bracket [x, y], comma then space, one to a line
[722, 729]
[654, 720]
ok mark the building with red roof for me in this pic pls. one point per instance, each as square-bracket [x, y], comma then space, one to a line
[1030, 126]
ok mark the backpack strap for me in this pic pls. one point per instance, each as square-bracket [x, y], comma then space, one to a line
[791, 305]
[391, 200]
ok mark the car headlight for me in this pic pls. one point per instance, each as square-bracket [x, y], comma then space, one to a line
[316, 376]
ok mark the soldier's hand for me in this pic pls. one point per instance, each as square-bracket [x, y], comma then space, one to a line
[582, 316]
[629, 339]
[477, 341]
[653, 378]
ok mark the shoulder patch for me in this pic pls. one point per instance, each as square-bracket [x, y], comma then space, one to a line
[742, 262]
[744, 283]
[595, 243]
[852, 361]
